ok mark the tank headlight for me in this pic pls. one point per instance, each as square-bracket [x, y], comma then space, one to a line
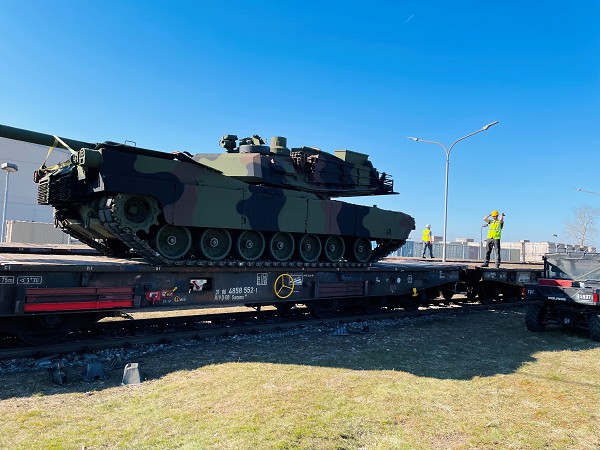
[88, 158]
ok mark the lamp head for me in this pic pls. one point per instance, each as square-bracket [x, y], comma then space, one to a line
[489, 125]
[412, 138]
[9, 167]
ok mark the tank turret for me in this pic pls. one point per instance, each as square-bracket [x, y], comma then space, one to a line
[307, 169]
[252, 204]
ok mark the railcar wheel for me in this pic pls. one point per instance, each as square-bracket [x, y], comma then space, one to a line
[535, 318]
[488, 294]
[43, 330]
[334, 248]
[136, 212]
[447, 292]
[514, 293]
[309, 248]
[324, 309]
[215, 243]
[360, 250]
[281, 246]
[284, 307]
[410, 303]
[173, 242]
[472, 292]
[43, 337]
[372, 306]
[250, 245]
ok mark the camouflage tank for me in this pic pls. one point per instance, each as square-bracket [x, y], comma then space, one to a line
[251, 204]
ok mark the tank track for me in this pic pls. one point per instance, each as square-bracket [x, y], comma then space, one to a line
[142, 248]
[384, 249]
[96, 245]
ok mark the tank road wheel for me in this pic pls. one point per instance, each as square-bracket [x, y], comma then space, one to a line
[281, 246]
[334, 248]
[360, 250]
[309, 248]
[172, 242]
[136, 212]
[250, 245]
[215, 243]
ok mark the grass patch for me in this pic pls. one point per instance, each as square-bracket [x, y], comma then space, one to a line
[476, 381]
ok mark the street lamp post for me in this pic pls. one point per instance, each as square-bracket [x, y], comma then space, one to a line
[8, 168]
[485, 128]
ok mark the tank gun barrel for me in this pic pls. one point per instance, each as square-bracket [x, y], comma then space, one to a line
[19, 134]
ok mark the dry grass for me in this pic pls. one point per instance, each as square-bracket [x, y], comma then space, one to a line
[477, 381]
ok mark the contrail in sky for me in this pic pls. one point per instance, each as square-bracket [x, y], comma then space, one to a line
[407, 20]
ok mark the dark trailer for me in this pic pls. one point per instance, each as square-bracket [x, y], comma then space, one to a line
[44, 296]
[568, 293]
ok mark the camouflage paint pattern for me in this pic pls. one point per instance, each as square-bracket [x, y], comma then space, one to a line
[246, 188]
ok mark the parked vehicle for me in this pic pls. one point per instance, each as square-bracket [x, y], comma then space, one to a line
[567, 294]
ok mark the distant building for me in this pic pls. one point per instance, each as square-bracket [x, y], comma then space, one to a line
[21, 204]
[533, 251]
[35, 233]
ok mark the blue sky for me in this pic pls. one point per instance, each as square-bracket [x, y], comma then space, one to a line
[335, 75]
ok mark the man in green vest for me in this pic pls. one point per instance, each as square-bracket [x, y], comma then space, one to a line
[427, 241]
[493, 237]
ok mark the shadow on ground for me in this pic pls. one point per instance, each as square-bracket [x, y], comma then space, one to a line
[450, 347]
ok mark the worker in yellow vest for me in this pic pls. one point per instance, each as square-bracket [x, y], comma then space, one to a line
[493, 237]
[427, 241]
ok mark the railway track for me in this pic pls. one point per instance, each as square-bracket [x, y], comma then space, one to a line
[139, 332]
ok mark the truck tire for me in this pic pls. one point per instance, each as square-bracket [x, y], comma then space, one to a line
[595, 326]
[535, 318]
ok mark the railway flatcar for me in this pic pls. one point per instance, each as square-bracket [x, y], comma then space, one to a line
[46, 293]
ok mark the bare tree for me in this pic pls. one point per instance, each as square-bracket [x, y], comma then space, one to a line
[582, 228]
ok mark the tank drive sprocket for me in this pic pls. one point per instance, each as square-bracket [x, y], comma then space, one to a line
[136, 212]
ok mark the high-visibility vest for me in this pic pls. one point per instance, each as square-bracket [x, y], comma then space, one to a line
[495, 230]
[426, 235]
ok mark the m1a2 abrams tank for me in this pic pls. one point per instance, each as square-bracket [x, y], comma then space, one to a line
[251, 203]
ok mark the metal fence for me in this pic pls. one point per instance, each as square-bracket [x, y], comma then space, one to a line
[457, 250]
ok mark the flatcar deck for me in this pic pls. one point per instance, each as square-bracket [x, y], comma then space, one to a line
[471, 264]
